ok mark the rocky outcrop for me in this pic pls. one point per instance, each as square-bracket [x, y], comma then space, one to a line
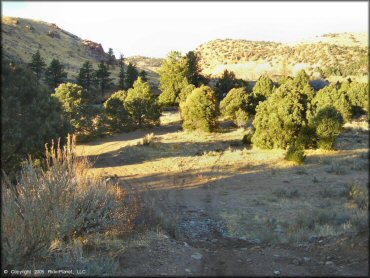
[96, 49]
[53, 34]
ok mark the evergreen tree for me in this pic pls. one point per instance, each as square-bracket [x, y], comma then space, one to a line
[30, 117]
[102, 78]
[37, 65]
[78, 108]
[263, 88]
[86, 77]
[227, 82]
[194, 76]
[200, 110]
[279, 119]
[237, 106]
[328, 123]
[338, 98]
[111, 59]
[358, 94]
[55, 74]
[142, 105]
[142, 74]
[117, 115]
[173, 78]
[121, 75]
[131, 75]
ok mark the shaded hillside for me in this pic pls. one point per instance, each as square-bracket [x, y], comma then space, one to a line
[23, 37]
[332, 55]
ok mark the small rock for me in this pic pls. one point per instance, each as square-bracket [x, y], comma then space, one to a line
[306, 259]
[196, 256]
[249, 260]
[277, 272]
[187, 270]
[329, 258]
[277, 256]
[329, 263]
[240, 261]
[243, 238]
[185, 244]
[297, 261]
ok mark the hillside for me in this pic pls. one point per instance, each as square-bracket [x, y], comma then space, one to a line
[22, 37]
[330, 55]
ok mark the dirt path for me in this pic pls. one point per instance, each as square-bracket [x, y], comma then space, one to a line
[216, 207]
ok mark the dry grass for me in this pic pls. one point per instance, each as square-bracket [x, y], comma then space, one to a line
[216, 173]
[52, 211]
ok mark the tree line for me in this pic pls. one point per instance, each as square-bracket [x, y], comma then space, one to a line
[91, 80]
[285, 114]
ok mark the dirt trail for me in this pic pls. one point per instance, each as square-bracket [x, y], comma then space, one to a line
[224, 209]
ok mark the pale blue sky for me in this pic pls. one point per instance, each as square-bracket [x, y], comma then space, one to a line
[155, 28]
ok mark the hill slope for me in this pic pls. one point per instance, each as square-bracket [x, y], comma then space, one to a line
[343, 54]
[22, 37]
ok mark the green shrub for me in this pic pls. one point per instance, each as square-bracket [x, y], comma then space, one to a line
[280, 118]
[117, 116]
[82, 115]
[307, 137]
[141, 105]
[200, 110]
[185, 92]
[328, 123]
[227, 82]
[338, 98]
[295, 153]
[58, 203]
[241, 118]
[358, 94]
[263, 88]
[247, 139]
[236, 106]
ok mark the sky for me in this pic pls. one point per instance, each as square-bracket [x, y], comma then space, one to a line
[154, 28]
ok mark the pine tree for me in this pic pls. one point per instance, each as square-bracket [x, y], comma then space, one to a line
[121, 75]
[227, 82]
[102, 78]
[131, 75]
[141, 104]
[86, 77]
[30, 116]
[194, 76]
[55, 74]
[37, 65]
[111, 59]
[173, 72]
